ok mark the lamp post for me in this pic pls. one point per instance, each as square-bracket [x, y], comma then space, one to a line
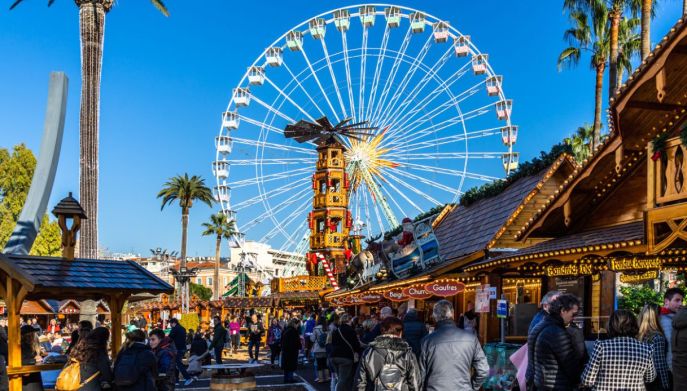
[183, 276]
[69, 215]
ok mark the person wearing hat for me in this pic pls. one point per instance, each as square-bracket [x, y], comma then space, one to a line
[29, 351]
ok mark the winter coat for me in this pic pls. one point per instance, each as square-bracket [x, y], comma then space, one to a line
[145, 362]
[101, 364]
[448, 357]
[536, 319]
[219, 337]
[388, 363]
[178, 335]
[621, 363]
[255, 331]
[666, 321]
[290, 347]
[234, 327]
[316, 348]
[413, 331]
[679, 344]
[165, 354]
[372, 334]
[274, 335]
[199, 346]
[658, 344]
[34, 381]
[340, 347]
[534, 330]
[557, 363]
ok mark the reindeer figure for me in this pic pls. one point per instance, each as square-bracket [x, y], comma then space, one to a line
[365, 260]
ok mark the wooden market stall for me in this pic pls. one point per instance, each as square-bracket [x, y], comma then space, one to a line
[36, 278]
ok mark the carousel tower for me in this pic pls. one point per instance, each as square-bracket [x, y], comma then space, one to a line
[330, 219]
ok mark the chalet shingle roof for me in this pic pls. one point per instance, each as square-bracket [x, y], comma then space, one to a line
[629, 232]
[47, 273]
[469, 229]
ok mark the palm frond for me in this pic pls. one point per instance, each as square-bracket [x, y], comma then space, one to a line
[16, 3]
[160, 6]
[569, 57]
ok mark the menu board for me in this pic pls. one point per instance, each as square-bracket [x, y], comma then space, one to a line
[575, 286]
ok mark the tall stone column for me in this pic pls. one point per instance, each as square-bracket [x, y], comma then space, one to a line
[88, 311]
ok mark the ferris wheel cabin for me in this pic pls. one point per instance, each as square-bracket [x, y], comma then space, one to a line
[231, 215]
[221, 169]
[417, 22]
[510, 161]
[317, 27]
[222, 193]
[440, 31]
[274, 56]
[479, 64]
[294, 40]
[462, 45]
[256, 75]
[509, 135]
[342, 20]
[223, 144]
[494, 85]
[393, 16]
[241, 97]
[230, 120]
[367, 15]
[503, 109]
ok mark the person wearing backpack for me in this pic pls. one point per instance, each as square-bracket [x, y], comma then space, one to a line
[319, 350]
[388, 363]
[274, 340]
[135, 368]
[90, 354]
[165, 354]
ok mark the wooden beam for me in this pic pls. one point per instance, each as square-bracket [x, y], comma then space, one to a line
[116, 304]
[654, 106]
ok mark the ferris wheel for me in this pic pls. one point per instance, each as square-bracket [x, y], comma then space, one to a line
[442, 122]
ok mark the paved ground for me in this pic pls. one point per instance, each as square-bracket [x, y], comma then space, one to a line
[267, 377]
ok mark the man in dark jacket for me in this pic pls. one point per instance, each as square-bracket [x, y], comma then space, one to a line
[450, 355]
[219, 338]
[177, 334]
[557, 362]
[135, 368]
[543, 309]
[384, 313]
[345, 346]
[414, 330]
[388, 362]
[291, 346]
[679, 344]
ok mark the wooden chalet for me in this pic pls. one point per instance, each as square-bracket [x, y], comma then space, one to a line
[622, 216]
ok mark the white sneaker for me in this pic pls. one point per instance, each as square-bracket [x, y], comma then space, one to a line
[189, 381]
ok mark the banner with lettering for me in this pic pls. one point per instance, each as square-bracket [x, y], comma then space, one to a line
[417, 292]
[396, 295]
[445, 288]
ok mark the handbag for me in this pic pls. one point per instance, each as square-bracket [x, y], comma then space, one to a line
[356, 356]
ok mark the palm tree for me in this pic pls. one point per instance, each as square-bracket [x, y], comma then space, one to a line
[589, 33]
[647, 8]
[581, 141]
[92, 31]
[629, 44]
[185, 190]
[222, 228]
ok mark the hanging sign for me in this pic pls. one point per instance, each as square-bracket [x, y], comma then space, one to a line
[635, 263]
[569, 270]
[482, 299]
[396, 295]
[445, 288]
[370, 297]
[638, 278]
[417, 292]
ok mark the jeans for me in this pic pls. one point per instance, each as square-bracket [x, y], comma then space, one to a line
[235, 341]
[288, 377]
[275, 349]
[345, 370]
[253, 344]
[218, 358]
[180, 365]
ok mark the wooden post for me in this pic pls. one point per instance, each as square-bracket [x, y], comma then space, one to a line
[14, 294]
[483, 317]
[116, 303]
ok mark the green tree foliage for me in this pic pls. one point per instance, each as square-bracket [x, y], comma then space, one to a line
[633, 297]
[16, 172]
[581, 142]
[200, 291]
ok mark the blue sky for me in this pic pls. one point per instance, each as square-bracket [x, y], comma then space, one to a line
[166, 80]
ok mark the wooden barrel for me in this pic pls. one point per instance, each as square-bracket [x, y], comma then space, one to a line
[232, 383]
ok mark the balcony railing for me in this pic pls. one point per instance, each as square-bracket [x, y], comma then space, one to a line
[669, 173]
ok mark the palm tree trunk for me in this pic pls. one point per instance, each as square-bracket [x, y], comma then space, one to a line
[92, 28]
[597, 105]
[619, 82]
[613, 71]
[684, 7]
[215, 287]
[646, 27]
[184, 234]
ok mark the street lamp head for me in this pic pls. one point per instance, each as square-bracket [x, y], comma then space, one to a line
[69, 214]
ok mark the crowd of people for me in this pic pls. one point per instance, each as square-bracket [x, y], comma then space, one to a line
[645, 352]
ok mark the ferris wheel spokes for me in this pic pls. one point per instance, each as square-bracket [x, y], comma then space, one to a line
[287, 97]
[331, 74]
[349, 84]
[363, 63]
[378, 70]
[294, 78]
[322, 90]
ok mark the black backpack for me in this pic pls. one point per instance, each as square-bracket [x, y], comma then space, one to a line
[126, 370]
[390, 376]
